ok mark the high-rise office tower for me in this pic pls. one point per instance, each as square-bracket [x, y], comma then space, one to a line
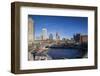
[57, 36]
[50, 37]
[44, 34]
[30, 31]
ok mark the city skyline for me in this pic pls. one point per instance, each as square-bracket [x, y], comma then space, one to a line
[64, 25]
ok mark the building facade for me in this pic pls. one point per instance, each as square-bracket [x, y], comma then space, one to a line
[51, 37]
[44, 34]
[77, 37]
[30, 31]
[83, 39]
[57, 38]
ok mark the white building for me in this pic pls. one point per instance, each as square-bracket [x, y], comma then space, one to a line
[30, 31]
[44, 34]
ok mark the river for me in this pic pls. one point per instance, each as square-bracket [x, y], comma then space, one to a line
[66, 53]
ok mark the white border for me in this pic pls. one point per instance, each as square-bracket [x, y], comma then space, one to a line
[25, 64]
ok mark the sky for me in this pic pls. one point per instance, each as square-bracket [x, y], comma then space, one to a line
[66, 26]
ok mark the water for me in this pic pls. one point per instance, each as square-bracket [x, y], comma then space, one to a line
[66, 53]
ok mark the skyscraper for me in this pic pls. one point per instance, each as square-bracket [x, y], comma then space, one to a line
[50, 37]
[30, 31]
[44, 34]
[57, 36]
[77, 37]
